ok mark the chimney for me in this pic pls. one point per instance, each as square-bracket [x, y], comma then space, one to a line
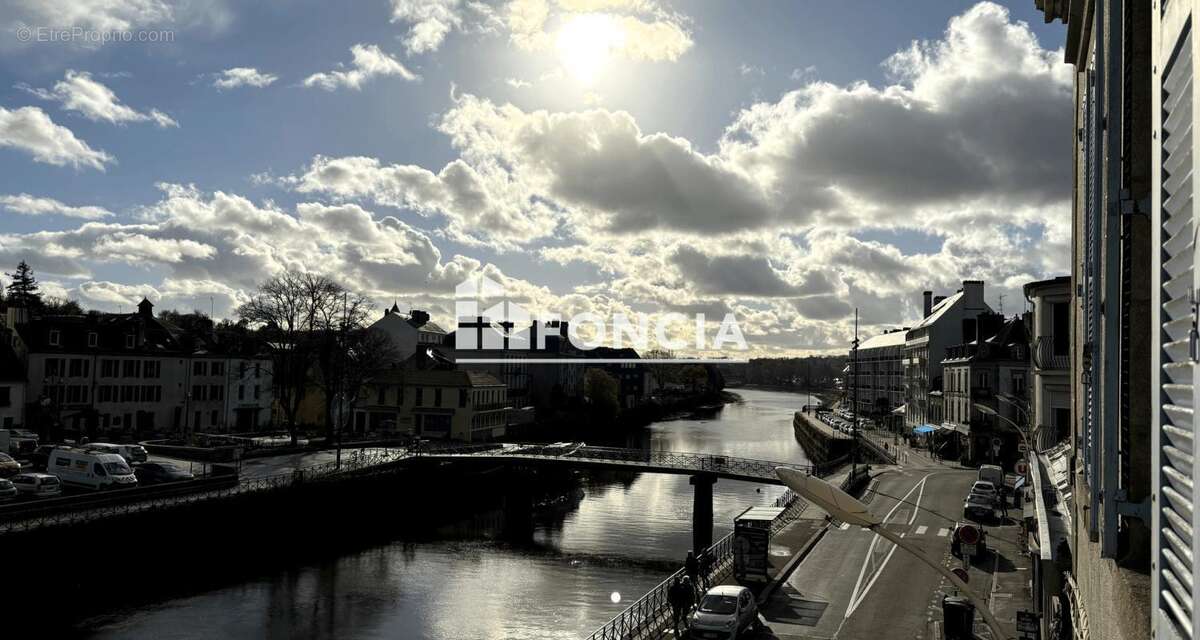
[928, 304]
[418, 317]
[973, 294]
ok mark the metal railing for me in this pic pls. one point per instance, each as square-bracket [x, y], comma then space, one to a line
[1044, 356]
[647, 616]
[355, 464]
[635, 458]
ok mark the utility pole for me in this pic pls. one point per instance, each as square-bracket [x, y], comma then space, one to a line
[341, 385]
[854, 401]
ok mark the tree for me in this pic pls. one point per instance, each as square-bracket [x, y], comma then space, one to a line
[695, 375]
[663, 373]
[367, 355]
[23, 290]
[292, 311]
[55, 306]
[603, 392]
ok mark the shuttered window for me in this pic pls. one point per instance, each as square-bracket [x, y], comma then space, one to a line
[1175, 347]
[1092, 219]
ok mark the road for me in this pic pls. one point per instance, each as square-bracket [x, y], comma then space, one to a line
[272, 465]
[857, 585]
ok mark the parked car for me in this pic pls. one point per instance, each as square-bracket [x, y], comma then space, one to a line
[7, 490]
[979, 508]
[159, 472]
[993, 474]
[38, 485]
[985, 488]
[8, 466]
[90, 468]
[41, 456]
[132, 453]
[724, 613]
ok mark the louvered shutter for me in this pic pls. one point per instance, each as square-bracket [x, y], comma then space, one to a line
[1175, 349]
[1092, 220]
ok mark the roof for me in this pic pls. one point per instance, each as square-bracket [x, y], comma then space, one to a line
[891, 339]
[1060, 281]
[731, 590]
[110, 328]
[443, 378]
[938, 311]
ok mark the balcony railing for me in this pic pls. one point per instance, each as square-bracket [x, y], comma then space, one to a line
[1045, 358]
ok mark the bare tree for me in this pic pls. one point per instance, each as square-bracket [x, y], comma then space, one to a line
[292, 311]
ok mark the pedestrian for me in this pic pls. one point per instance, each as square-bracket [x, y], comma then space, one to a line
[705, 568]
[676, 597]
[689, 597]
[691, 567]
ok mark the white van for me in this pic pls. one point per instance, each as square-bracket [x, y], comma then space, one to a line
[993, 474]
[90, 468]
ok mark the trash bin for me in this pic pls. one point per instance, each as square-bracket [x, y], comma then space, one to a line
[958, 616]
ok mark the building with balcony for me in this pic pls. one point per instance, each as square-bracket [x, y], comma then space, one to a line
[945, 322]
[876, 374]
[993, 371]
[1132, 547]
[1050, 359]
[435, 404]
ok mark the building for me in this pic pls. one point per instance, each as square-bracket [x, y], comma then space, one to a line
[12, 388]
[630, 376]
[990, 370]
[407, 331]
[878, 383]
[1050, 359]
[945, 322]
[436, 404]
[133, 374]
[1132, 320]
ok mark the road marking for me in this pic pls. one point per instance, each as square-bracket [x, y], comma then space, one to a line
[921, 530]
[845, 525]
[856, 596]
[943, 532]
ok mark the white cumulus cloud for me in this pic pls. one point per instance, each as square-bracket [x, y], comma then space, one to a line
[26, 204]
[81, 93]
[32, 131]
[242, 77]
[369, 62]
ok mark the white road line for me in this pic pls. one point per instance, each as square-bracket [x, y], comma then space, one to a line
[921, 530]
[943, 532]
[845, 525]
[856, 596]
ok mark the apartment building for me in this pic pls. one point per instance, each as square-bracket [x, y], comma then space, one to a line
[991, 370]
[1131, 322]
[876, 374]
[944, 323]
[436, 404]
[1050, 359]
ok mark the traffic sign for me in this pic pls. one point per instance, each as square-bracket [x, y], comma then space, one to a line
[961, 573]
[997, 442]
[1022, 447]
[968, 534]
[1022, 468]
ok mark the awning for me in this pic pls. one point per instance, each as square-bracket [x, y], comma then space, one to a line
[900, 410]
[959, 428]
[925, 428]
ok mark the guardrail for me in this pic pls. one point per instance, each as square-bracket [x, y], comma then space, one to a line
[115, 504]
[646, 617]
[636, 458]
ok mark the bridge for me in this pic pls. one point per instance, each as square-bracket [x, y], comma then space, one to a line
[704, 469]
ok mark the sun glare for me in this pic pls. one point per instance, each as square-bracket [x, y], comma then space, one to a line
[586, 43]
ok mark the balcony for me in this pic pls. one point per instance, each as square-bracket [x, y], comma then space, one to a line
[1045, 358]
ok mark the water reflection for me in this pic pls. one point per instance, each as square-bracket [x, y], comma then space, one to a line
[624, 534]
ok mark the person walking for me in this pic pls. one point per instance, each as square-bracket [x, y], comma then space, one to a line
[676, 597]
[691, 567]
[705, 568]
[689, 599]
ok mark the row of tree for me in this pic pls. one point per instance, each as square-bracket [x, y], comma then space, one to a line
[809, 373]
[23, 291]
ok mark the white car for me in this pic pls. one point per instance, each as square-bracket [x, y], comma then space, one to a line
[37, 485]
[132, 453]
[724, 613]
[985, 488]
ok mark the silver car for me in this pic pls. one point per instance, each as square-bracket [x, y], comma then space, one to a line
[724, 613]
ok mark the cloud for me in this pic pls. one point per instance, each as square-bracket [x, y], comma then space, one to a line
[210, 16]
[517, 83]
[744, 275]
[369, 62]
[242, 77]
[26, 204]
[31, 130]
[639, 30]
[751, 70]
[80, 93]
[430, 21]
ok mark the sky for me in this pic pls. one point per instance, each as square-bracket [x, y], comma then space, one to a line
[784, 161]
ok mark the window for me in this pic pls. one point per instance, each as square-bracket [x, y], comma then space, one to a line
[420, 397]
[79, 368]
[256, 390]
[216, 417]
[462, 398]
[151, 369]
[130, 340]
[382, 394]
[437, 397]
[53, 367]
[93, 339]
[199, 392]
[241, 392]
[98, 469]
[257, 370]
[54, 338]
[131, 368]
[199, 368]
[196, 421]
[217, 368]
[216, 392]
[5, 396]
[109, 368]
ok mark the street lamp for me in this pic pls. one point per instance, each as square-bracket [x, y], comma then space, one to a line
[850, 510]
[988, 411]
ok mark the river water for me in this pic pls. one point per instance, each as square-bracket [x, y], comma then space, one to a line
[623, 537]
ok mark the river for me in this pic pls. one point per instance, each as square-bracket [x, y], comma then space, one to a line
[620, 540]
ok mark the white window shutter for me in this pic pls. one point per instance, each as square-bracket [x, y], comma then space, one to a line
[1175, 349]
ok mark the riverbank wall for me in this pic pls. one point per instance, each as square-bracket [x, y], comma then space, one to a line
[823, 445]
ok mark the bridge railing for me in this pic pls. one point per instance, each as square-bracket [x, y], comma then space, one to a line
[684, 461]
[647, 616]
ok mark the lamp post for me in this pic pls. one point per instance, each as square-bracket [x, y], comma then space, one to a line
[850, 510]
[988, 411]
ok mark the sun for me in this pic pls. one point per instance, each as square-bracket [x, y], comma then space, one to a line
[586, 43]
